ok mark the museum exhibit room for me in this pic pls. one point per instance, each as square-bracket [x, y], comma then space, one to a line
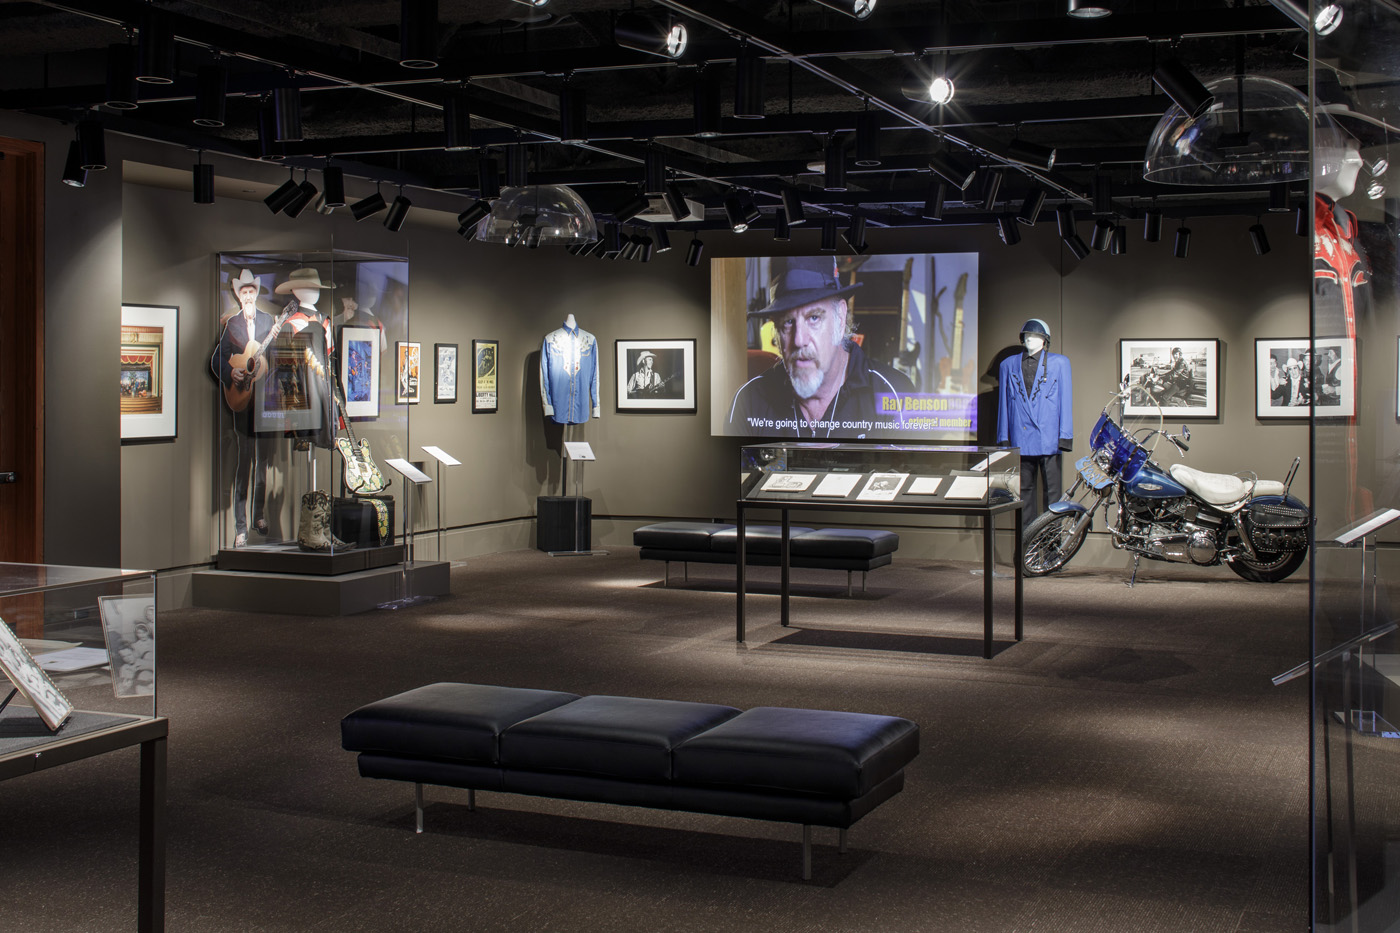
[868, 466]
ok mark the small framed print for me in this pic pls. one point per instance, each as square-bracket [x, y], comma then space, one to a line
[485, 360]
[1333, 378]
[359, 371]
[409, 370]
[1279, 389]
[32, 682]
[656, 375]
[445, 372]
[1178, 377]
[129, 627]
[149, 358]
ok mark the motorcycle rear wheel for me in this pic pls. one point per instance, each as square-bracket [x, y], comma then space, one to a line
[1273, 566]
[1051, 541]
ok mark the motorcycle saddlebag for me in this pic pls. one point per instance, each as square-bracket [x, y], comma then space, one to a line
[1278, 526]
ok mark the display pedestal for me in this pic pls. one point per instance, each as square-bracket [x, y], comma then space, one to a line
[408, 594]
[564, 525]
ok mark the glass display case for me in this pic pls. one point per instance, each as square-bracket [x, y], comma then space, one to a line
[315, 375]
[918, 475]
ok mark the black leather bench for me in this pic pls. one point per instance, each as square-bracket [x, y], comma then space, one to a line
[848, 549]
[813, 767]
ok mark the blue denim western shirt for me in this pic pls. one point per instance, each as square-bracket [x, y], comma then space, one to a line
[569, 375]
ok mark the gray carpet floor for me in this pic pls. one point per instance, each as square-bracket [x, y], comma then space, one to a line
[1127, 767]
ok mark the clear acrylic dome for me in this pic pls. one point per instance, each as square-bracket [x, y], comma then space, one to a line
[1265, 142]
[538, 215]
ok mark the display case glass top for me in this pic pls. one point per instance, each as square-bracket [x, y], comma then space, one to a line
[913, 475]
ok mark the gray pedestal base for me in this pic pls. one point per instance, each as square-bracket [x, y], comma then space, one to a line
[307, 594]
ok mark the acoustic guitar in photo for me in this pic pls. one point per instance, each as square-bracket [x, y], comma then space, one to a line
[252, 364]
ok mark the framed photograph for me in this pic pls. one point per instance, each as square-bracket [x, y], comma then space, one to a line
[1181, 377]
[485, 361]
[410, 359]
[445, 372]
[1333, 381]
[656, 375]
[129, 625]
[1279, 390]
[359, 371]
[31, 680]
[149, 358]
[882, 487]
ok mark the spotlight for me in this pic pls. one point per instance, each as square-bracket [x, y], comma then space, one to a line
[857, 9]
[828, 235]
[286, 109]
[1118, 243]
[533, 3]
[1088, 9]
[517, 174]
[941, 89]
[1031, 154]
[868, 139]
[398, 213]
[1031, 206]
[1302, 221]
[155, 49]
[210, 95]
[1185, 90]
[278, 200]
[319, 205]
[748, 84]
[855, 234]
[74, 175]
[456, 121]
[675, 202]
[1076, 246]
[1064, 219]
[1324, 22]
[665, 38]
[203, 183]
[933, 201]
[938, 89]
[533, 235]
[1008, 230]
[792, 208]
[952, 170]
[367, 207]
[306, 193]
[268, 150]
[333, 184]
[468, 232]
[751, 212]
[1278, 199]
[781, 232]
[1259, 239]
[1375, 190]
[121, 77]
[92, 145]
[1103, 195]
[418, 28]
[1103, 233]
[631, 208]
[1183, 243]
[835, 172]
[1152, 225]
[654, 172]
[707, 108]
[991, 187]
[488, 179]
[734, 211]
[573, 115]
[473, 214]
[612, 239]
[663, 239]
[694, 252]
[648, 247]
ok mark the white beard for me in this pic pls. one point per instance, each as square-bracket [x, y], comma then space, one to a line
[804, 387]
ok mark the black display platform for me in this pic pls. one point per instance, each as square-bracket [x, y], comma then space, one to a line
[290, 559]
[318, 594]
[564, 523]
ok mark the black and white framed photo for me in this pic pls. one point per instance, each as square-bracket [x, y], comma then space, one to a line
[485, 354]
[17, 664]
[1333, 377]
[150, 339]
[445, 372]
[129, 627]
[1280, 389]
[656, 375]
[1180, 376]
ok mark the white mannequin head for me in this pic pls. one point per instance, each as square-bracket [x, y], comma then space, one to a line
[1033, 343]
[1346, 161]
[307, 296]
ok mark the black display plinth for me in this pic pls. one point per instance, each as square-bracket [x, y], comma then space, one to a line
[564, 523]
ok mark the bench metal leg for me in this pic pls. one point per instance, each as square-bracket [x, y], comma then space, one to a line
[848, 584]
[806, 852]
[666, 575]
[842, 844]
[418, 806]
[685, 571]
[471, 799]
[863, 575]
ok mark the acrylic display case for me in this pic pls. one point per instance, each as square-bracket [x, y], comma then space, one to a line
[328, 340]
[923, 475]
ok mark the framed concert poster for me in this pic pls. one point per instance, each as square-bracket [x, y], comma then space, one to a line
[410, 359]
[1179, 377]
[359, 371]
[656, 375]
[149, 354]
[32, 682]
[445, 372]
[485, 358]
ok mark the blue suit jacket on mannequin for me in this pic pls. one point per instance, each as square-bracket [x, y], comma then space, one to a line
[1036, 418]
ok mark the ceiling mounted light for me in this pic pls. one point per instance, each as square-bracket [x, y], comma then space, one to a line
[286, 109]
[648, 247]
[953, 170]
[202, 182]
[92, 145]
[1031, 154]
[676, 203]
[991, 188]
[734, 212]
[1008, 230]
[1259, 239]
[532, 3]
[1325, 20]
[1183, 243]
[1102, 235]
[1118, 243]
[398, 213]
[517, 166]
[793, 208]
[694, 252]
[612, 239]
[707, 108]
[456, 120]
[1185, 90]
[665, 38]
[1103, 194]
[418, 30]
[834, 166]
[468, 233]
[855, 234]
[365, 208]
[556, 211]
[631, 208]
[1076, 246]
[74, 175]
[1375, 190]
[868, 139]
[1031, 206]
[1278, 199]
[663, 239]
[1152, 225]
[828, 244]
[782, 233]
[210, 96]
[654, 172]
[1089, 9]
[121, 77]
[941, 89]
[268, 148]
[573, 115]
[1302, 220]
[934, 89]
[306, 193]
[155, 62]
[1064, 220]
[934, 200]
[857, 9]
[488, 179]
[333, 186]
[278, 200]
[473, 214]
[748, 84]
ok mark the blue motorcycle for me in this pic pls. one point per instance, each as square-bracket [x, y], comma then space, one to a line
[1177, 514]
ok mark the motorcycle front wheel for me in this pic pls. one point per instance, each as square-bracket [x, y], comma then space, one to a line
[1272, 566]
[1050, 541]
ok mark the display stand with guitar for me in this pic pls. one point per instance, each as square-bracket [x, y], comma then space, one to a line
[362, 475]
[249, 366]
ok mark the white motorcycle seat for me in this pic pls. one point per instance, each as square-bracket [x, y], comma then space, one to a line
[1223, 489]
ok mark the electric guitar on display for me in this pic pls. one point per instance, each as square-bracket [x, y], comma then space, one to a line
[251, 363]
[362, 476]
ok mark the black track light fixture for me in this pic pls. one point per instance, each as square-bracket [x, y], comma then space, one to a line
[121, 77]
[1064, 220]
[663, 239]
[868, 139]
[734, 212]
[708, 106]
[1302, 221]
[418, 30]
[612, 239]
[748, 83]
[661, 36]
[92, 144]
[648, 247]
[1183, 242]
[365, 208]
[675, 202]
[468, 233]
[74, 175]
[782, 233]
[1152, 225]
[1278, 199]
[517, 166]
[333, 186]
[1118, 242]
[1259, 239]
[398, 212]
[1008, 230]
[474, 214]
[202, 182]
[654, 171]
[1089, 9]
[834, 173]
[793, 208]
[456, 120]
[573, 115]
[855, 234]
[210, 96]
[935, 89]
[1102, 236]
[286, 113]
[278, 200]
[1184, 88]
[488, 179]
[694, 252]
[155, 60]
[856, 9]
[991, 189]
[828, 243]
[934, 200]
[1031, 154]
[269, 150]
[1077, 246]
[631, 207]
[1103, 194]
[751, 212]
[952, 169]
[1031, 206]
[306, 193]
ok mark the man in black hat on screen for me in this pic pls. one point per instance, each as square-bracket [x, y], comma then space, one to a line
[824, 385]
